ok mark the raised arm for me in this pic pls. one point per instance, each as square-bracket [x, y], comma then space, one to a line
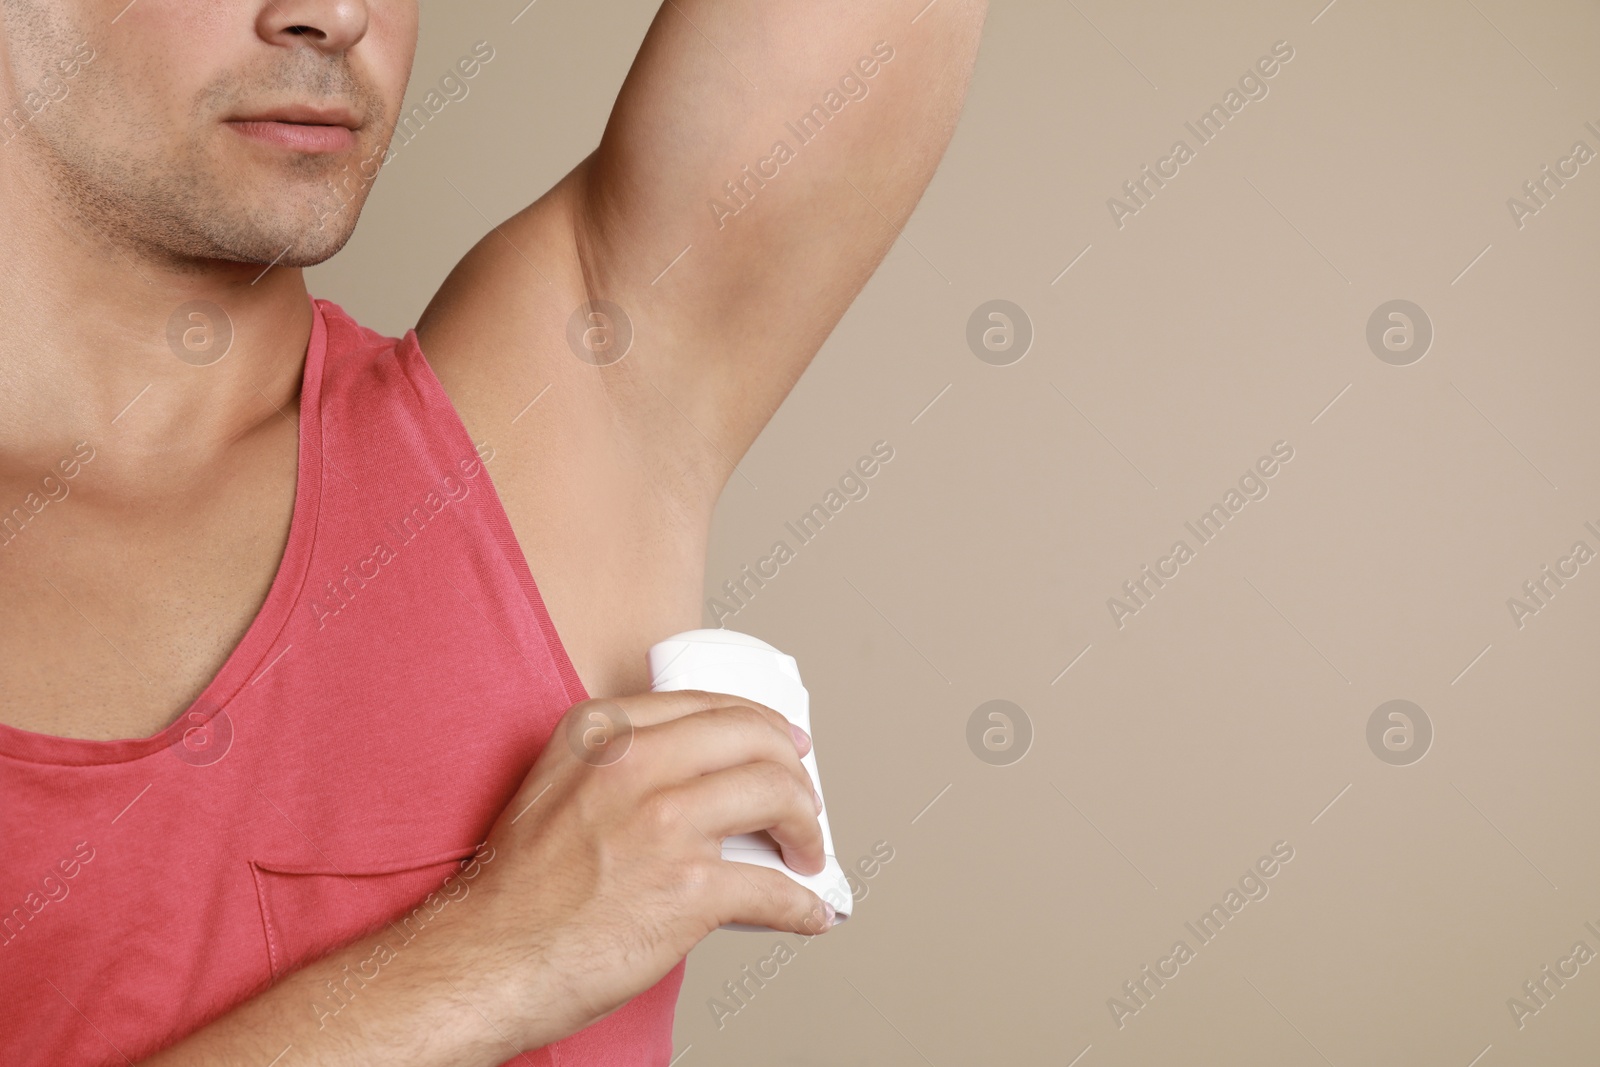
[757, 166]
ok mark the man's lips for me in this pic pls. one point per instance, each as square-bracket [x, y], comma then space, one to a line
[300, 129]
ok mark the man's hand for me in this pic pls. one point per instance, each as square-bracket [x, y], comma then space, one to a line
[608, 865]
[607, 871]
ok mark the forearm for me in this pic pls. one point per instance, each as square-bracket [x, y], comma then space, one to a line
[428, 1006]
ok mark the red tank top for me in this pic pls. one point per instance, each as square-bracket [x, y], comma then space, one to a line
[335, 779]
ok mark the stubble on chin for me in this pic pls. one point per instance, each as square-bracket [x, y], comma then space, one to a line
[186, 195]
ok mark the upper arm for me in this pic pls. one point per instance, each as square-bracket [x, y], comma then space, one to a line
[756, 168]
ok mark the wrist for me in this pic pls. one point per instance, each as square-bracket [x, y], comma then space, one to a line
[507, 992]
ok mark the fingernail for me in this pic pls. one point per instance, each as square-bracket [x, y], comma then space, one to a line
[827, 915]
[802, 740]
[818, 797]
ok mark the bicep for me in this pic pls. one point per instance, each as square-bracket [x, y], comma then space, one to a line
[757, 167]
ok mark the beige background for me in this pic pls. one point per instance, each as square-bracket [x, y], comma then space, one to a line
[1228, 714]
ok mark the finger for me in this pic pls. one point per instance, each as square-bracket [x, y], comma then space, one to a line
[715, 740]
[652, 709]
[760, 896]
[756, 796]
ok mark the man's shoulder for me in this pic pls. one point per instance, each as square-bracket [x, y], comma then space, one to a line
[612, 517]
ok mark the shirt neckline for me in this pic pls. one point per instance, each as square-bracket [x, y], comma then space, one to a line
[246, 661]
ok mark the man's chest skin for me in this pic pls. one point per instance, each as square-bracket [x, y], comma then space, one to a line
[117, 617]
[124, 598]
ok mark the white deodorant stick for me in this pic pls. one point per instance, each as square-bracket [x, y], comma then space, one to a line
[722, 661]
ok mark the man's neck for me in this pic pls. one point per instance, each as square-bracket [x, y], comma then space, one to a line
[101, 343]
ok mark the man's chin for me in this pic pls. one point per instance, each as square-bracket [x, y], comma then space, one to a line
[318, 248]
[303, 243]
[318, 236]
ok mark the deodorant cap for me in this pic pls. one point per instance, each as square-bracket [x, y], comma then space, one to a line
[720, 661]
[687, 651]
